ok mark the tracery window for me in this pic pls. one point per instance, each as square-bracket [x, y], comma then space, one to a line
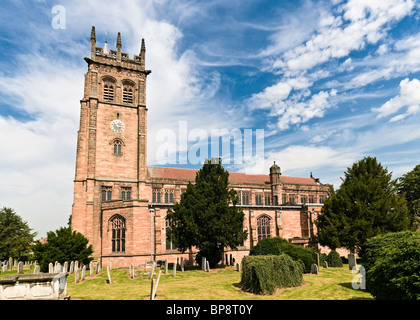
[263, 227]
[117, 147]
[118, 234]
[169, 243]
[156, 196]
[169, 196]
[126, 193]
[106, 193]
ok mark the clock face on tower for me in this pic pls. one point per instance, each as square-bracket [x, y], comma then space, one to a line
[117, 126]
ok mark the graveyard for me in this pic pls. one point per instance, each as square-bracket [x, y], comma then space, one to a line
[162, 282]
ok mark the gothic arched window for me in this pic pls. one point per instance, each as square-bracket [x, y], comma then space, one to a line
[128, 92]
[109, 89]
[117, 147]
[263, 227]
[118, 234]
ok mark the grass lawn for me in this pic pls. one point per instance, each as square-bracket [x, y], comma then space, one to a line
[219, 284]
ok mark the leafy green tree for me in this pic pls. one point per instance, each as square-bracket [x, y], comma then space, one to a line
[62, 245]
[15, 235]
[409, 186]
[366, 204]
[207, 217]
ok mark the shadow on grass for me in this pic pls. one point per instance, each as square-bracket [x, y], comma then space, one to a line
[348, 285]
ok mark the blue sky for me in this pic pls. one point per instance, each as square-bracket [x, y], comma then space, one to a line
[329, 82]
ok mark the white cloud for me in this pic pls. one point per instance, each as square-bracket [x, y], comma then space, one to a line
[409, 97]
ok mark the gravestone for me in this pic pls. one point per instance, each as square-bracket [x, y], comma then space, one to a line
[50, 268]
[110, 265]
[91, 268]
[76, 265]
[154, 287]
[71, 267]
[76, 275]
[37, 269]
[314, 269]
[238, 267]
[132, 271]
[109, 275]
[66, 267]
[166, 266]
[208, 266]
[316, 257]
[352, 261]
[174, 270]
[182, 264]
[83, 272]
[325, 264]
[10, 263]
[203, 263]
[20, 268]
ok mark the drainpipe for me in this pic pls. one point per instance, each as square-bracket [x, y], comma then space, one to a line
[151, 233]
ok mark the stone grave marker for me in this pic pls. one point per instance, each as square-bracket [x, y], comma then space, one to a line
[314, 269]
[352, 261]
[20, 268]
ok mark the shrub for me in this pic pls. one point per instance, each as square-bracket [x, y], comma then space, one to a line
[334, 259]
[277, 245]
[263, 274]
[392, 266]
[322, 258]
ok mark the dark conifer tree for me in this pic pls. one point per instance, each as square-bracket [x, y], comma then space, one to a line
[207, 217]
[365, 205]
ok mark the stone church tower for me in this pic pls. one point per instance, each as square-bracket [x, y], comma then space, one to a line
[112, 142]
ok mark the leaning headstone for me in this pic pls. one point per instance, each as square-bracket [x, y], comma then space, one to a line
[154, 287]
[325, 264]
[207, 266]
[50, 268]
[91, 268]
[20, 268]
[182, 264]
[98, 268]
[352, 261]
[316, 257]
[109, 275]
[166, 266]
[314, 269]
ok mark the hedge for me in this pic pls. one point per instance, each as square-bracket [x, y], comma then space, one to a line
[264, 274]
[277, 245]
[392, 265]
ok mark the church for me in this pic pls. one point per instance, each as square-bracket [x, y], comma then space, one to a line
[120, 202]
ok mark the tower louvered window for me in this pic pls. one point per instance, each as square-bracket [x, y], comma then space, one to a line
[128, 95]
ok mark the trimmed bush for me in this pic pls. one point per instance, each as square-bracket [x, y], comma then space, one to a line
[264, 274]
[277, 245]
[334, 259]
[392, 266]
